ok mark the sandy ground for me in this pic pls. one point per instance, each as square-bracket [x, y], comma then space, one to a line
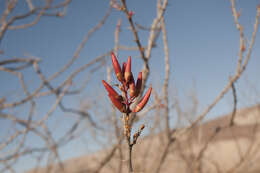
[234, 149]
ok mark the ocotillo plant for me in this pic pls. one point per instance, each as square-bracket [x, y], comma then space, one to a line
[130, 91]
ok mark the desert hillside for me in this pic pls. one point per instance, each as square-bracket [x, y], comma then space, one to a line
[213, 146]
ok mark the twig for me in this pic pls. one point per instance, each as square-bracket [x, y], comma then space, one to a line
[239, 72]
[231, 123]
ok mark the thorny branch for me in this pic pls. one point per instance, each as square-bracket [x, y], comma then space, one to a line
[38, 11]
[37, 123]
[22, 125]
[239, 71]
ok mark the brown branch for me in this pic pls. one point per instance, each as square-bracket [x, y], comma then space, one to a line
[231, 123]
[137, 40]
[40, 11]
[239, 72]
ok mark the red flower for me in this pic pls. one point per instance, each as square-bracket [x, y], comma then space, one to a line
[143, 102]
[127, 86]
[138, 84]
[110, 90]
[128, 72]
[130, 14]
[119, 105]
[117, 67]
[132, 87]
[123, 67]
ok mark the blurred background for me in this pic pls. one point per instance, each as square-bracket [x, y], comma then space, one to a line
[201, 58]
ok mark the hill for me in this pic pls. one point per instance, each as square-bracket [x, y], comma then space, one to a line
[213, 146]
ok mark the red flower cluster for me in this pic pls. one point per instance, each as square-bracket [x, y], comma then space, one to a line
[125, 77]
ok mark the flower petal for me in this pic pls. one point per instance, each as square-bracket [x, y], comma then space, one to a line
[144, 100]
[110, 90]
[138, 85]
[119, 105]
[128, 73]
[117, 67]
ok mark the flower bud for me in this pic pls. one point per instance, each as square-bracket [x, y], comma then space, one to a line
[119, 105]
[138, 85]
[117, 67]
[128, 73]
[144, 100]
[123, 67]
[130, 14]
[243, 47]
[110, 90]
[132, 87]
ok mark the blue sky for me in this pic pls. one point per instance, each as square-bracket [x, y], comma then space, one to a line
[203, 45]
